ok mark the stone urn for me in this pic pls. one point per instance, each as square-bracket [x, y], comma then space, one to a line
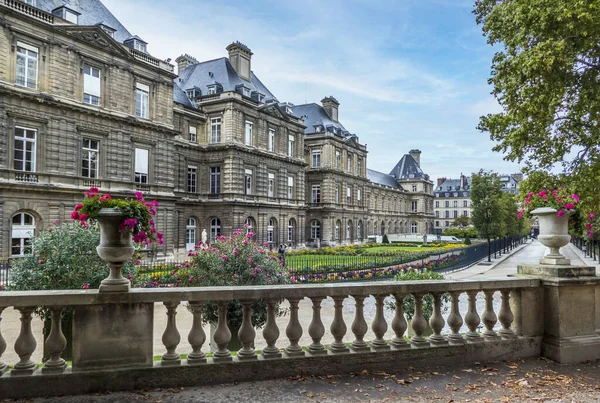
[115, 248]
[554, 234]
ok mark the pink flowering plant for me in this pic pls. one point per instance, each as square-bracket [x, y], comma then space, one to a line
[234, 261]
[138, 214]
[592, 225]
[561, 200]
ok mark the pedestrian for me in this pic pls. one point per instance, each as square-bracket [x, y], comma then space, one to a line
[281, 252]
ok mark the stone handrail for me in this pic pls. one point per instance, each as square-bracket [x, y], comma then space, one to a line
[25, 8]
[150, 59]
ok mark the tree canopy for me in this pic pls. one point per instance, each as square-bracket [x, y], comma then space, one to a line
[486, 207]
[545, 76]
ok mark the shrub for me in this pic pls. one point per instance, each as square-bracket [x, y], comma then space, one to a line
[234, 261]
[385, 239]
[467, 241]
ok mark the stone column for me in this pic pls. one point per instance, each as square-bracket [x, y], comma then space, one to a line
[569, 311]
[3, 366]
[271, 332]
[25, 344]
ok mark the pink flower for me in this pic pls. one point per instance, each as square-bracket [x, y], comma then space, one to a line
[87, 286]
[530, 194]
[569, 206]
[78, 207]
[224, 257]
[592, 216]
[83, 217]
[560, 213]
[575, 198]
[93, 189]
[235, 252]
[139, 196]
[74, 215]
[520, 214]
[542, 193]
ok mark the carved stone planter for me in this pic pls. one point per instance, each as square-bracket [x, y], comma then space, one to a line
[115, 248]
[554, 233]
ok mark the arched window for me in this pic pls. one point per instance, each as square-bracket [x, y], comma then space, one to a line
[374, 228]
[359, 230]
[249, 224]
[348, 230]
[290, 232]
[337, 235]
[271, 230]
[413, 228]
[23, 229]
[215, 229]
[315, 230]
[190, 234]
[382, 228]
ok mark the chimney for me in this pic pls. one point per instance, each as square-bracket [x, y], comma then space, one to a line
[331, 106]
[440, 181]
[183, 61]
[416, 154]
[463, 181]
[240, 57]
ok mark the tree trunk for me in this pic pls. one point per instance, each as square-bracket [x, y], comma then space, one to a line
[489, 250]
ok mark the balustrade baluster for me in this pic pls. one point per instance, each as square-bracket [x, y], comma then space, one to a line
[222, 334]
[25, 344]
[271, 332]
[455, 321]
[418, 322]
[436, 322]
[316, 329]
[472, 319]
[55, 343]
[293, 330]
[489, 316]
[359, 326]
[3, 366]
[379, 325]
[171, 336]
[246, 334]
[338, 327]
[506, 316]
[196, 337]
[399, 324]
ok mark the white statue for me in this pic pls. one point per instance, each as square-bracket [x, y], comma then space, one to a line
[204, 237]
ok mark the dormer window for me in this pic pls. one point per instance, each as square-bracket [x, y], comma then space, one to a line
[245, 91]
[318, 128]
[138, 45]
[194, 93]
[110, 31]
[257, 96]
[67, 14]
[212, 90]
[30, 2]
[288, 110]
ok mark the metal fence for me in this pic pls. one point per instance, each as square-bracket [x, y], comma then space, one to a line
[589, 247]
[4, 277]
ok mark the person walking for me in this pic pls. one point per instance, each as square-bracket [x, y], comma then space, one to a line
[281, 252]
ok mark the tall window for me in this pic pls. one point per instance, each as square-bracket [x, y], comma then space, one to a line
[89, 158]
[249, 224]
[248, 138]
[337, 194]
[290, 192]
[142, 100]
[349, 168]
[437, 204]
[215, 180]
[315, 229]
[337, 231]
[316, 159]
[465, 203]
[447, 204]
[91, 85]
[446, 214]
[290, 146]
[141, 165]
[27, 65]
[316, 194]
[455, 203]
[348, 195]
[466, 213]
[215, 130]
[23, 229]
[358, 195]
[414, 188]
[290, 232]
[271, 186]
[414, 206]
[193, 134]
[337, 159]
[248, 181]
[359, 230]
[455, 214]
[190, 234]
[413, 228]
[272, 140]
[348, 229]
[271, 230]
[192, 179]
[437, 214]
[25, 149]
[215, 229]
[358, 166]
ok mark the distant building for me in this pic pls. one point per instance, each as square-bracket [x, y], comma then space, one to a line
[453, 198]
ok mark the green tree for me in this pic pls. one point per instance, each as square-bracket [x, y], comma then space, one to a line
[487, 213]
[462, 221]
[545, 76]
[510, 225]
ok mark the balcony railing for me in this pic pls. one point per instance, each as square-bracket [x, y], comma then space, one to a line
[31, 11]
[26, 177]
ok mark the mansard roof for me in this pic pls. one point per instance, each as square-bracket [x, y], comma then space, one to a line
[453, 185]
[382, 179]
[314, 115]
[407, 168]
[93, 12]
[221, 72]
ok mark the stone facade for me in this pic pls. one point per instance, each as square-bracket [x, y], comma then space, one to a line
[140, 128]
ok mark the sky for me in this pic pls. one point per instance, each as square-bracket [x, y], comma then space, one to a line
[407, 73]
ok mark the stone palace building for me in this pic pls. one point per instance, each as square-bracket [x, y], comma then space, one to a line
[83, 103]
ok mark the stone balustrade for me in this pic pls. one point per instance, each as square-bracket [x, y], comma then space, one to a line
[113, 334]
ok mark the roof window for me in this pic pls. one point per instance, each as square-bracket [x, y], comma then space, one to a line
[194, 93]
[67, 14]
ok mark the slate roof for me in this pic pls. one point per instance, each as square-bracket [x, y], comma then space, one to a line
[407, 168]
[93, 12]
[314, 114]
[220, 71]
[453, 185]
[382, 179]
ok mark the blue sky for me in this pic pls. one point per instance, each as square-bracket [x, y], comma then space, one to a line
[408, 74]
